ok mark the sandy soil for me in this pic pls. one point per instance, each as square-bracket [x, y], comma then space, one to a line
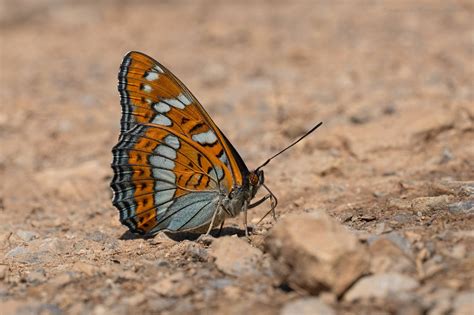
[391, 80]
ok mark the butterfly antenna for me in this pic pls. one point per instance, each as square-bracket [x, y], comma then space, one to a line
[299, 139]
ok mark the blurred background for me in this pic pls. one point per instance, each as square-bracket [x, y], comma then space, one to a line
[391, 80]
[278, 66]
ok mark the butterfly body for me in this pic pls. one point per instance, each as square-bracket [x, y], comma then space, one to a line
[173, 168]
[240, 197]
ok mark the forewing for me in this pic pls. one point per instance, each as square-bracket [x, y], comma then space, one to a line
[150, 93]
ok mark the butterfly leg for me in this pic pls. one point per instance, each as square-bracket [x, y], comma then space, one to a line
[244, 209]
[259, 202]
[273, 202]
[213, 218]
[220, 229]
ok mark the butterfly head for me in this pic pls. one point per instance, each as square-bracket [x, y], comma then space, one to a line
[256, 179]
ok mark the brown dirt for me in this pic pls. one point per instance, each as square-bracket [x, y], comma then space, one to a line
[392, 82]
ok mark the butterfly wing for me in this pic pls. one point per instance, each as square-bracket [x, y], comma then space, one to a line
[163, 182]
[172, 163]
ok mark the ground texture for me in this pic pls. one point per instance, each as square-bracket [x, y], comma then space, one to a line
[376, 210]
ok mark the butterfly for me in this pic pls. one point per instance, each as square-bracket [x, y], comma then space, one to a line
[174, 169]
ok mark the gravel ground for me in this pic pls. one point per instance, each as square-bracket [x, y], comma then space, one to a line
[376, 210]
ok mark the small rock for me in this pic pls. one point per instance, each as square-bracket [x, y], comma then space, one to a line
[458, 188]
[98, 236]
[367, 217]
[426, 204]
[387, 256]
[381, 228]
[100, 310]
[399, 204]
[206, 239]
[466, 207]
[439, 301]
[464, 233]
[464, 303]
[258, 240]
[159, 304]
[345, 216]
[30, 254]
[402, 218]
[17, 251]
[467, 189]
[307, 306]
[26, 235]
[454, 283]
[221, 283]
[102, 238]
[361, 117]
[162, 239]
[175, 285]
[35, 277]
[235, 257]
[3, 271]
[61, 280]
[135, 299]
[446, 156]
[85, 268]
[412, 237]
[457, 252]
[314, 252]
[328, 297]
[162, 263]
[50, 245]
[378, 194]
[442, 307]
[5, 240]
[432, 266]
[380, 286]
[389, 109]
[37, 308]
[197, 252]
[127, 275]
[410, 309]
[232, 292]
[397, 239]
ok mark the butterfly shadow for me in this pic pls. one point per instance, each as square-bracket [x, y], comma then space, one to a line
[181, 236]
[127, 236]
[227, 231]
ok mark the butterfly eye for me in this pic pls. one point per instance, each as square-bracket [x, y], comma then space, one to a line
[253, 178]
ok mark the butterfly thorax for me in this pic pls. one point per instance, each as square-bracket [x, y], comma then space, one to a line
[240, 196]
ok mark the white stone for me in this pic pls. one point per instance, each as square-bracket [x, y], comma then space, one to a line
[380, 286]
